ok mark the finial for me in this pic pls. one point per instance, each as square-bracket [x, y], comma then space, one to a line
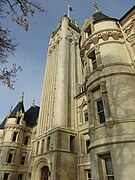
[33, 102]
[22, 97]
[11, 108]
[95, 7]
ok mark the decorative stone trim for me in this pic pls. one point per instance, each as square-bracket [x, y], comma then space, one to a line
[116, 35]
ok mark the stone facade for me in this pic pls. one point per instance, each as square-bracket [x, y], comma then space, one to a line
[85, 126]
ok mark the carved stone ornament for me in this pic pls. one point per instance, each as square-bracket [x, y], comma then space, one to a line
[91, 129]
[109, 123]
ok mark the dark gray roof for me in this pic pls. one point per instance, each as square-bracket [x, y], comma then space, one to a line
[19, 107]
[31, 115]
[3, 123]
[100, 16]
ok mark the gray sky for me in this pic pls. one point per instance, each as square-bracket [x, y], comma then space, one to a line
[32, 49]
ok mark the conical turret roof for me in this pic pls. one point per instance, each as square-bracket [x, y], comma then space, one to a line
[18, 108]
[97, 14]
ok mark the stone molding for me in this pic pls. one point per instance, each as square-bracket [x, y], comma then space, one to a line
[116, 35]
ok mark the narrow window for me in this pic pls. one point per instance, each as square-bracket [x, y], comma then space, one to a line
[100, 109]
[88, 31]
[6, 175]
[42, 147]
[92, 56]
[37, 147]
[89, 175]
[23, 159]
[18, 120]
[48, 144]
[26, 140]
[20, 176]
[86, 116]
[107, 167]
[10, 156]
[72, 143]
[87, 146]
[14, 136]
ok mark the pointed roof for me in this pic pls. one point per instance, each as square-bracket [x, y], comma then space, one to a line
[31, 115]
[18, 108]
[97, 14]
[3, 123]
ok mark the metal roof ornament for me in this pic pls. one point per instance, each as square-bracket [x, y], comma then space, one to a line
[22, 97]
[96, 8]
[33, 102]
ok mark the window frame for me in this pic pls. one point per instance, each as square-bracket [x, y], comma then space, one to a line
[100, 112]
[26, 141]
[4, 177]
[14, 137]
[104, 168]
[10, 159]
[72, 143]
[20, 177]
[23, 159]
[84, 115]
[92, 57]
[88, 172]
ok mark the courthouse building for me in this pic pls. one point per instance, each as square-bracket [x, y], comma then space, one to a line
[85, 126]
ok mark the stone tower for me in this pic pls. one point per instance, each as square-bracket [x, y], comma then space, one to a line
[55, 144]
[107, 50]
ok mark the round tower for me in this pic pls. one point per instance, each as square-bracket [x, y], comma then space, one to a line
[110, 89]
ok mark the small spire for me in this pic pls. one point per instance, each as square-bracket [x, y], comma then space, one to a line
[95, 7]
[22, 97]
[11, 109]
[33, 102]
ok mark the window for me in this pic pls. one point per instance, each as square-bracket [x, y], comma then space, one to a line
[72, 143]
[20, 176]
[42, 147]
[100, 109]
[14, 136]
[26, 140]
[88, 31]
[87, 145]
[86, 116]
[107, 167]
[37, 147]
[18, 120]
[10, 156]
[6, 175]
[48, 144]
[92, 56]
[23, 159]
[88, 174]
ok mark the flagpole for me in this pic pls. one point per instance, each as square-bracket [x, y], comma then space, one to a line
[68, 11]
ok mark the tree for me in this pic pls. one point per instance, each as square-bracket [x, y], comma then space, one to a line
[19, 10]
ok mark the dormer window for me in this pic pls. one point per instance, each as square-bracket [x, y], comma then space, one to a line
[88, 31]
[18, 120]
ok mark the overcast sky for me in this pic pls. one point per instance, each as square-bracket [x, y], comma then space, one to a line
[32, 49]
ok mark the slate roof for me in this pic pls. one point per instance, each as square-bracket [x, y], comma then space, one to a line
[100, 16]
[19, 107]
[31, 116]
[3, 123]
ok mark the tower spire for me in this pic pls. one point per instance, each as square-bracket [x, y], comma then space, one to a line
[22, 97]
[95, 7]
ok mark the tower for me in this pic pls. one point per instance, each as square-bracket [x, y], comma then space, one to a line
[108, 56]
[55, 144]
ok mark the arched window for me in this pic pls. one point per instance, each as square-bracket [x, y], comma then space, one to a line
[45, 173]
